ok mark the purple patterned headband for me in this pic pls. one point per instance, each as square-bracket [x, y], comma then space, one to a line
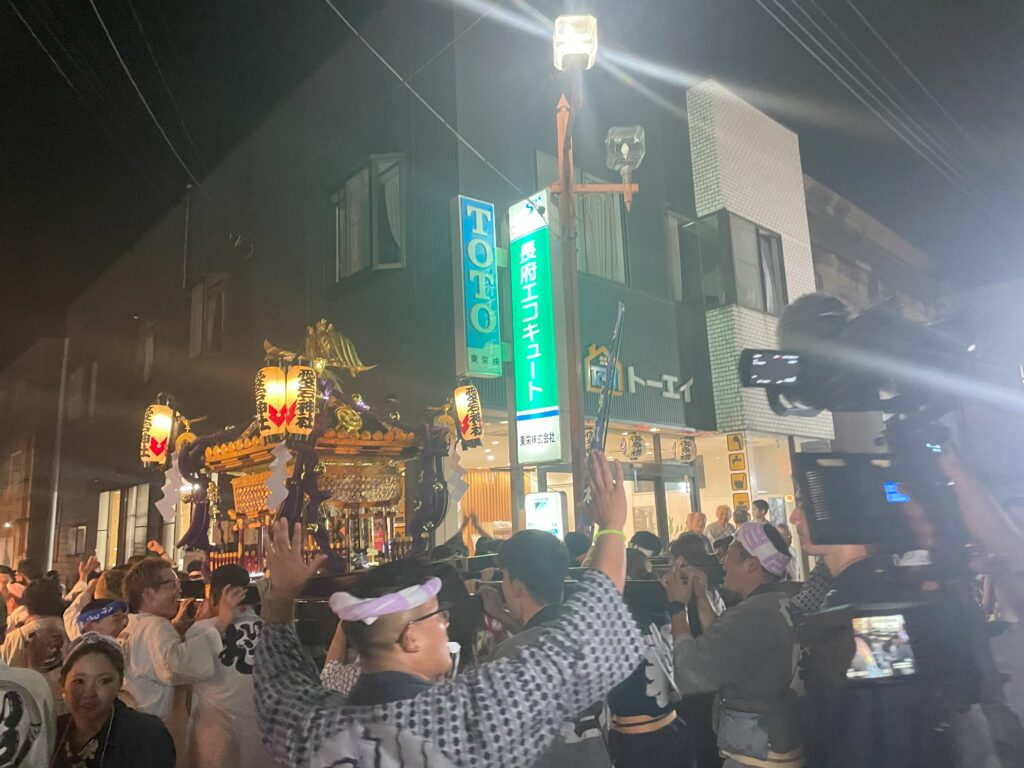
[348, 607]
[756, 542]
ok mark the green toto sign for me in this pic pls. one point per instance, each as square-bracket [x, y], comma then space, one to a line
[534, 344]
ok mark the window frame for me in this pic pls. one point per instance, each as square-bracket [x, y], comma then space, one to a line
[201, 319]
[77, 539]
[543, 162]
[394, 161]
[148, 333]
[16, 461]
[338, 268]
[779, 279]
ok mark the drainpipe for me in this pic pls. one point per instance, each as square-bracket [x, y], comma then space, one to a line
[51, 539]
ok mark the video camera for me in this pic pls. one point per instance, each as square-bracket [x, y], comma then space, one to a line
[892, 502]
[875, 361]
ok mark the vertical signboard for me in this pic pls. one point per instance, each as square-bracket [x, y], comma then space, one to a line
[534, 345]
[478, 337]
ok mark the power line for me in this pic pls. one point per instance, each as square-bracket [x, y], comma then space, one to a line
[907, 69]
[87, 105]
[858, 95]
[368, 112]
[94, 81]
[142, 98]
[980, 148]
[893, 95]
[167, 88]
[909, 135]
[405, 83]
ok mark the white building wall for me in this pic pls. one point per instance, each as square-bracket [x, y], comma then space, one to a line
[748, 164]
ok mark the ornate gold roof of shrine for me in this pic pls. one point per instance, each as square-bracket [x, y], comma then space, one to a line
[254, 452]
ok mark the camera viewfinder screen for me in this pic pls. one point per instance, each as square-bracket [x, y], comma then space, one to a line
[881, 649]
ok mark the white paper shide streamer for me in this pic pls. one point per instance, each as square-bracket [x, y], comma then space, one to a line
[171, 490]
[277, 483]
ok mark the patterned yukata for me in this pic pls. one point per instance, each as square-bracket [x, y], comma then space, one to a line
[502, 715]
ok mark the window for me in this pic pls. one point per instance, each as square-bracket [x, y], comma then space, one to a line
[76, 393]
[366, 221]
[388, 224]
[93, 373]
[711, 254]
[682, 248]
[758, 266]
[206, 316]
[136, 521]
[16, 473]
[769, 248]
[108, 528]
[600, 234]
[76, 539]
[147, 350]
[599, 237]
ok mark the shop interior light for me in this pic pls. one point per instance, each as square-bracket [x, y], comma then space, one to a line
[575, 42]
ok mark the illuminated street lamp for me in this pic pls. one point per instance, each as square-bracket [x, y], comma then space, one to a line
[575, 42]
[575, 50]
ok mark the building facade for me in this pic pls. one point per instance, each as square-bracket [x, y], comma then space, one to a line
[29, 389]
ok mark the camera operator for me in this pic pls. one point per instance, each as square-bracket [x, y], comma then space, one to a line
[904, 722]
[747, 656]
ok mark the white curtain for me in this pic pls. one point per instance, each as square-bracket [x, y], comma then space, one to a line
[601, 243]
[393, 201]
[357, 203]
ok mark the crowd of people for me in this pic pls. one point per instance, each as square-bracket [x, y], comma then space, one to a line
[595, 651]
[119, 671]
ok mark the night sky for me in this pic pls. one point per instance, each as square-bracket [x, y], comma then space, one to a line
[83, 173]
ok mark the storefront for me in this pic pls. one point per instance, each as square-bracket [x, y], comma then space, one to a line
[647, 432]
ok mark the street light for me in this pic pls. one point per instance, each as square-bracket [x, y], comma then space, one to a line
[575, 42]
[626, 150]
[575, 50]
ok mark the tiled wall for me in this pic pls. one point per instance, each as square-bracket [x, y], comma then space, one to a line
[746, 163]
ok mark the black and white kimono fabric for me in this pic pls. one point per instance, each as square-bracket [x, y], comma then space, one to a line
[502, 715]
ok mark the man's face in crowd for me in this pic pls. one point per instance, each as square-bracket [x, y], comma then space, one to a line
[722, 515]
[697, 523]
[426, 635]
[163, 599]
[738, 569]
[800, 523]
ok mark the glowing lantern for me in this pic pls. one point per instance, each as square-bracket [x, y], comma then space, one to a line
[272, 407]
[157, 426]
[300, 394]
[469, 415]
[633, 446]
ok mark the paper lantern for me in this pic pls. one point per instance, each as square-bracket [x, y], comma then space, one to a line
[300, 394]
[469, 415]
[272, 407]
[633, 446]
[157, 426]
[684, 450]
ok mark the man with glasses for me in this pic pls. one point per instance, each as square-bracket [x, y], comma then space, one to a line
[503, 714]
[156, 657]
